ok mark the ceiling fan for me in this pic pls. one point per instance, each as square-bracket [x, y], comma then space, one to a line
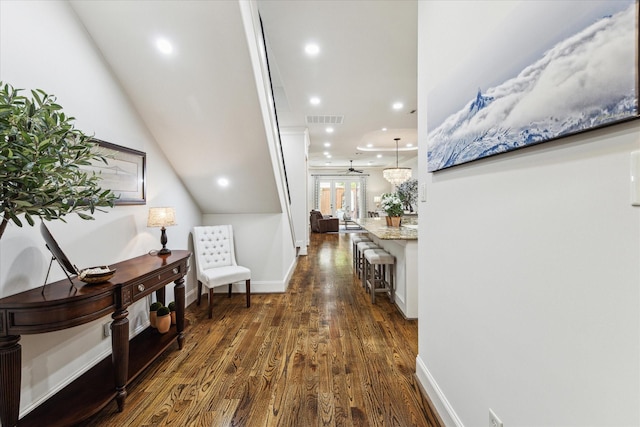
[351, 169]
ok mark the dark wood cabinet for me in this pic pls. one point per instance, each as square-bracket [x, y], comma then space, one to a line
[63, 306]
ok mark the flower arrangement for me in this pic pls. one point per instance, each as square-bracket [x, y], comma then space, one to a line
[391, 204]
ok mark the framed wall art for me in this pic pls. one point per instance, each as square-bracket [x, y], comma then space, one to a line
[553, 69]
[125, 173]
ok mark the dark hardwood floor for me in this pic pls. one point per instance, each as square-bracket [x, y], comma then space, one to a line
[319, 355]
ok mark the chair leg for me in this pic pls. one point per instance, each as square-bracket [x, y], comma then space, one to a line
[199, 291]
[248, 282]
[210, 303]
[230, 284]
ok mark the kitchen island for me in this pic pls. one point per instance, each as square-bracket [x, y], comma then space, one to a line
[402, 243]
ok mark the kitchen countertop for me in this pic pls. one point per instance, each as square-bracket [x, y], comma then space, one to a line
[378, 227]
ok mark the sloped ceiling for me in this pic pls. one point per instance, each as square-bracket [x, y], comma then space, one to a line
[200, 102]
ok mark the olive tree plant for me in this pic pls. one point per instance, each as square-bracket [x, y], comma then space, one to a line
[41, 159]
[408, 193]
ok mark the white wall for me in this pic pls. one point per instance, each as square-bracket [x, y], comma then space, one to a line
[263, 243]
[529, 264]
[295, 143]
[43, 46]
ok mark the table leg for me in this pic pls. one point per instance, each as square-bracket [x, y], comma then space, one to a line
[160, 295]
[10, 376]
[120, 354]
[179, 294]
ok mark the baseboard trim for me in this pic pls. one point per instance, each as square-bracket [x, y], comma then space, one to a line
[448, 416]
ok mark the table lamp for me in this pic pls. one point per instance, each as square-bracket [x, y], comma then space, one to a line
[162, 217]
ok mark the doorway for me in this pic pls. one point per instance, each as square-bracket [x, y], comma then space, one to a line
[340, 196]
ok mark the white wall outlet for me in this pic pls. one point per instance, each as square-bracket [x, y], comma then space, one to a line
[494, 421]
[106, 330]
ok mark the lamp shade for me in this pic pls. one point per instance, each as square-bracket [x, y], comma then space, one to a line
[161, 217]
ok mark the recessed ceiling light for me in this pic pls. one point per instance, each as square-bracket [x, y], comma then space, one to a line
[312, 49]
[327, 144]
[328, 156]
[369, 145]
[314, 100]
[223, 182]
[164, 46]
[397, 105]
[384, 129]
[409, 145]
[379, 156]
[329, 130]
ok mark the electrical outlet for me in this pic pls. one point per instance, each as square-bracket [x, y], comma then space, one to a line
[494, 421]
[106, 330]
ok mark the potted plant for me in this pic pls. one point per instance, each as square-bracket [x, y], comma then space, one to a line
[172, 309]
[163, 322]
[42, 155]
[391, 204]
[153, 312]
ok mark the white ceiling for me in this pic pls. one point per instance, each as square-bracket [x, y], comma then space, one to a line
[201, 105]
[367, 61]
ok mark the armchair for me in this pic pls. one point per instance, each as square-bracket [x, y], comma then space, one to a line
[216, 261]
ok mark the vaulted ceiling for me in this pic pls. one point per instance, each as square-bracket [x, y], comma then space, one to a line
[200, 101]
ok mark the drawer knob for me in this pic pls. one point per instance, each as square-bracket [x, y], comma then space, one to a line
[176, 270]
[141, 287]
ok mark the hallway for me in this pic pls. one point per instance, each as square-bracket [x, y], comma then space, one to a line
[319, 355]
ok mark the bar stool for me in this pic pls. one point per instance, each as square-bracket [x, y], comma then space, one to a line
[365, 267]
[375, 273]
[355, 239]
[359, 257]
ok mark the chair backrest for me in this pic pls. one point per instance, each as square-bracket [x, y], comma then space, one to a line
[314, 217]
[213, 246]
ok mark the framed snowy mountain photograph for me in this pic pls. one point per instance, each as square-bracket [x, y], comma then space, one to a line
[575, 70]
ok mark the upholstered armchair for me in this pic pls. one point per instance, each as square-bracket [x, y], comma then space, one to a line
[216, 261]
[323, 223]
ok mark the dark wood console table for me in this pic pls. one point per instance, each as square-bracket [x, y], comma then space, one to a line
[62, 307]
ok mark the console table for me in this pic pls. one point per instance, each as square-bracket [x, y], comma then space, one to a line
[63, 306]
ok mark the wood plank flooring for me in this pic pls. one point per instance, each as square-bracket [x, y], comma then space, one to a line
[319, 355]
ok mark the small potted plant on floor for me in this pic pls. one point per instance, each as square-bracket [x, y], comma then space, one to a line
[163, 321]
[153, 313]
[172, 309]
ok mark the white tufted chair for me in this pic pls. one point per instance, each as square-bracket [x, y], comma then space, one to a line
[216, 261]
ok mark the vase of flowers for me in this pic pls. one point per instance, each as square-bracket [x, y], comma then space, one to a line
[391, 204]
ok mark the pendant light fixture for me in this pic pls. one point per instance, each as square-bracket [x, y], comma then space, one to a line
[397, 175]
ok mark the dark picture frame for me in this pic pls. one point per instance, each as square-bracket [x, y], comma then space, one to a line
[125, 174]
[580, 74]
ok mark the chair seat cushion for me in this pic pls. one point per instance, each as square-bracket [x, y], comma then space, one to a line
[224, 275]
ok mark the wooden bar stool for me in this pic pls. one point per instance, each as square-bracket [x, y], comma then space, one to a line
[355, 239]
[359, 257]
[375, 273]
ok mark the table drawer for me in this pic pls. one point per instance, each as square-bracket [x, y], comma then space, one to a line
[158, 280]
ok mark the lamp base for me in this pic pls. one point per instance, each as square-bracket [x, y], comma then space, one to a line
[163, 242]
